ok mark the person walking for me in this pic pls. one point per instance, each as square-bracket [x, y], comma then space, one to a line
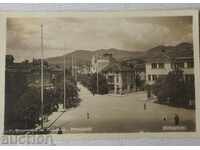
[164, 118]
[60, 131]
[176, 120]
[145, 106]
[88, 115]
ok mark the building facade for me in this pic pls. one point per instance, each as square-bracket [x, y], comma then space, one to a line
[120, 78]
[156, 69]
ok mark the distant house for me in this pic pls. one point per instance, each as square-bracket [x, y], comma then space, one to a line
[120, 77]
[83, 69]
[168, 58]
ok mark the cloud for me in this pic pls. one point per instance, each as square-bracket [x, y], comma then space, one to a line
[23, 34]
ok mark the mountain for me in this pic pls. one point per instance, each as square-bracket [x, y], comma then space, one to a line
[80, 56]
[83, 57]
[165, 52]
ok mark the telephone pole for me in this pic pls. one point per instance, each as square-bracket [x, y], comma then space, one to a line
[64, 88]
[75, 69]
[72, 66]
[97, 76]
[42, 78]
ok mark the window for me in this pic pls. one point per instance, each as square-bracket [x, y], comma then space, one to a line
[111, 79]
[190, 64]
[161, 65]
[180, 65]
[161, 76]
[154, 66]
[117, 78]
[172, 65]
[154, 77]
[189, 78]
[149, 77]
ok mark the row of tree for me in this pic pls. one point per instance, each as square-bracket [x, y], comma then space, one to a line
[90, 82]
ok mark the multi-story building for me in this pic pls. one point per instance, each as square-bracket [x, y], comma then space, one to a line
[163, 63]
[138, 68]
[120, 78]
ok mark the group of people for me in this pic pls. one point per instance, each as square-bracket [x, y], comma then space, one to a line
[176, 116]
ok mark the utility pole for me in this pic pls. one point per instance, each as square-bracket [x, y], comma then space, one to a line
[75, 69]
[64, 88]
[97, 76]
[42, 79]
[72, 66]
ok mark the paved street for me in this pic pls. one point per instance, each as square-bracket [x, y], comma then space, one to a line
[106, 113]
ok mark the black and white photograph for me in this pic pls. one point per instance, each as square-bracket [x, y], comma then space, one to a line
[124, 74]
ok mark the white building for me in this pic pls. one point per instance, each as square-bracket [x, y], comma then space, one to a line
[98, 62]
[120, 78]
[163, 59]
[162, 66]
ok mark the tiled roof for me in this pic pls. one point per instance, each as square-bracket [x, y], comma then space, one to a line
[116, 67]
[168, 53]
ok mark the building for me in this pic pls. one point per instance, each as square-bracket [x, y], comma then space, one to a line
[83, 69]
[120, 78]
[138, 67]
[32, 72]
[99, 62]
[169, 58]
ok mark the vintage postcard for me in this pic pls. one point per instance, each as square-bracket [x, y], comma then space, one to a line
[110, 72]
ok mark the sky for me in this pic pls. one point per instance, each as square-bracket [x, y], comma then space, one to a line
[64, 35]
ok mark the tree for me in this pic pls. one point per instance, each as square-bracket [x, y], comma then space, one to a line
[9, 59]
[102, 82]
[90, 81]
[72, 96]
[28, 108]
[26, 61]
[15, 85]
[173, 89]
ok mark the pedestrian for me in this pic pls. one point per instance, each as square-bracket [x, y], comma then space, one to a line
[88, 116]
[45, 131]
[145, 106]
[176, 119]
[164, 118]
[60, 131]
[148, 91]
